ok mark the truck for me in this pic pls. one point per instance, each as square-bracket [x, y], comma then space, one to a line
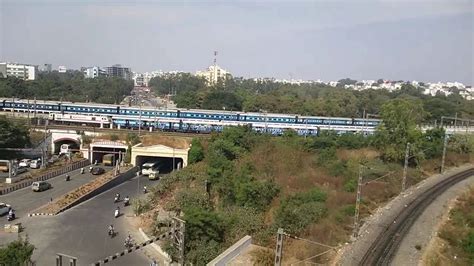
[108, 159]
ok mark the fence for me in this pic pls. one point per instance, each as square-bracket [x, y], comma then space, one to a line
[46, 176]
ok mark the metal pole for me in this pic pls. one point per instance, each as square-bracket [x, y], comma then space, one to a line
[140, 120]
[357, 207]
[444, 152]
[405, 168]
[279, 247]
[455, 120]
[365, 123]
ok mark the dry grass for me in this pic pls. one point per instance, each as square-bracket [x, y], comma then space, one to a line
[170, 141]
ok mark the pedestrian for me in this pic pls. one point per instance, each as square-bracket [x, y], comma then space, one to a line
[153, 263]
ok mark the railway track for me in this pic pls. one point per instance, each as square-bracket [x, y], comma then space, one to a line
[383, 249]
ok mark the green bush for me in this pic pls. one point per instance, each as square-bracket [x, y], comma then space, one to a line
[468, 245]
[327, 155]
[140, 206]
[114, 137]
[204, 231]
[256, 194]
[17, 252]
[299, 210]
[196, 152]
[350, 185]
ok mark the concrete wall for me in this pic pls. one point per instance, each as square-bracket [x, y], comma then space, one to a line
[231, 252]
[112, 183]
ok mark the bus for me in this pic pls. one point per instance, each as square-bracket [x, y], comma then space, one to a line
[108, 159]
[64, 149]
[148, 168]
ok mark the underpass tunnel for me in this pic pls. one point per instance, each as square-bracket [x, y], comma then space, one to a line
[73, 145]
[166, 163]
[99, 152]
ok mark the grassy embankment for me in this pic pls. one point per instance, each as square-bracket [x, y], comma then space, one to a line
[261, 183]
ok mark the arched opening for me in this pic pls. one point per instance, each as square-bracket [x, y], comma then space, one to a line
[74, 145]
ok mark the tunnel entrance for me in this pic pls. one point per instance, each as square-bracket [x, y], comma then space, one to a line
[167, 164]
[98, 152]
[73, 145]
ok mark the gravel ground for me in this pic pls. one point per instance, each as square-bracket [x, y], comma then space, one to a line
[351, 254]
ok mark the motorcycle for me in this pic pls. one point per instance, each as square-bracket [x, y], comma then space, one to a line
[128, 243]
[111, 232]
[126, 202]
[117, 213]
[145, 190]
[68, 178]
[116, 199]
[11, 217]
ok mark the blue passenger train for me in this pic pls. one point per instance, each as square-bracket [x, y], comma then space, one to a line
[194, 120]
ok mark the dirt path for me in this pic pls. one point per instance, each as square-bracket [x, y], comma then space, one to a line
[351, 254]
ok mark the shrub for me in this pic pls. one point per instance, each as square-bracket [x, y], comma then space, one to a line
[17, 252]
[299, 210]
[350, 185]
[256, 194]
[242, 221]
[326, 156]
[140, 206]
[196, 152]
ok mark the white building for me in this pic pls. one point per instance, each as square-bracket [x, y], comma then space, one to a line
[139, 80]
[21, 71]
[213, 74]
[93, 72]
[62, 69]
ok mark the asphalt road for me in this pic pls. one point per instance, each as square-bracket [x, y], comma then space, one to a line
[24, 201]
[82, 231]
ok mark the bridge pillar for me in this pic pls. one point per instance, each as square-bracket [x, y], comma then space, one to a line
[111, 125]
[151, 129]
[101, 125]
[118, 126]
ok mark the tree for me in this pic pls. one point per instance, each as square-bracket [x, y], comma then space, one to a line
[400, 119]
[16, 253]
[12, 135]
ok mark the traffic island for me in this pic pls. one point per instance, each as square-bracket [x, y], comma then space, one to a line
[85, 192]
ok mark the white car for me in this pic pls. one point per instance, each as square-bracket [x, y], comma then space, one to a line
[24, 163]
[34, 164]
[4, 208]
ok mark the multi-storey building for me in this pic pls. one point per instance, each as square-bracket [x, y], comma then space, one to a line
[93, 72]
[119, 71]
[213, 74]
[21, 71]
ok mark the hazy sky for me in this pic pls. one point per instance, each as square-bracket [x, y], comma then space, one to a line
[328, 40]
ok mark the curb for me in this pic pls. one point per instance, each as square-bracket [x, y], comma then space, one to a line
[40, 214]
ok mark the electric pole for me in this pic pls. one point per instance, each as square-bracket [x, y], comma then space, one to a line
[444, 152]
[405, 168]
[279, 247]
[357, 207]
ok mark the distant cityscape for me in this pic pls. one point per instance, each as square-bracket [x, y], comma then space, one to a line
[213, 74]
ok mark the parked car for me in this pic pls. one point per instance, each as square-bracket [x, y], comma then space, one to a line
[53, 159]
[97, 171]
[19, 170]
[4, 208]
[35, 164]
[40, 186]
[24, 163]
